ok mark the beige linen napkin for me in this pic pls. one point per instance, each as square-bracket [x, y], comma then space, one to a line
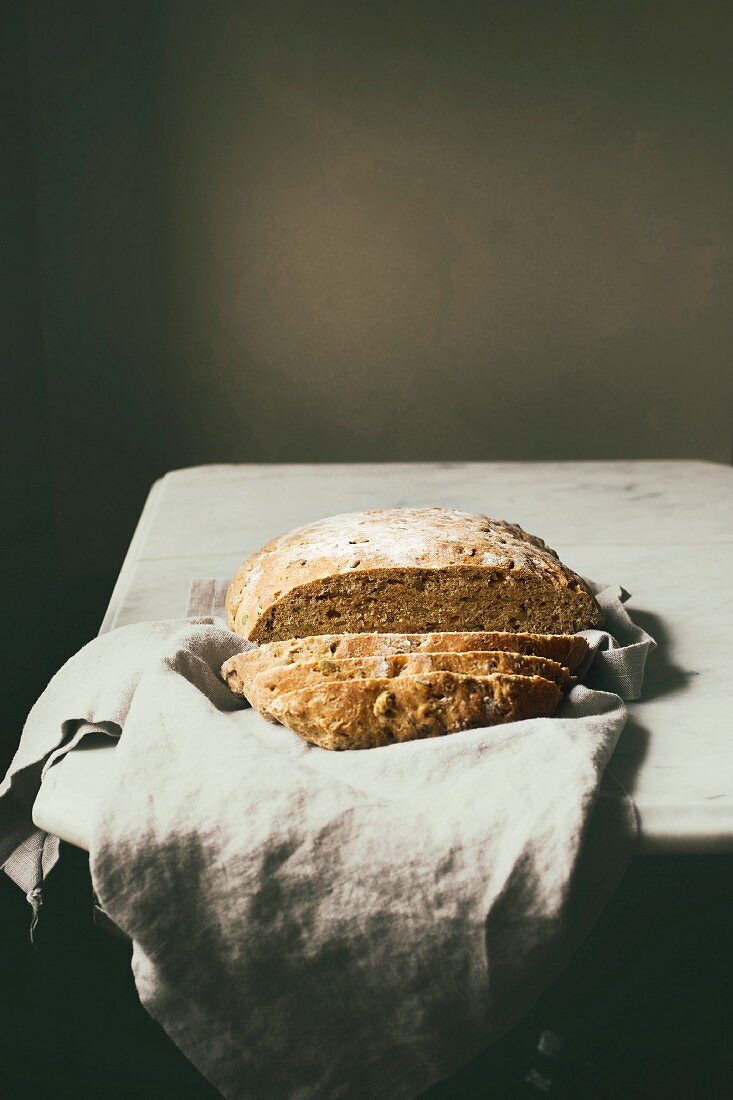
[312, 924]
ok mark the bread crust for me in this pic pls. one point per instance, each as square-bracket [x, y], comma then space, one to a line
[408, 570]
[260, 689]
[568, 650]
[372, 713]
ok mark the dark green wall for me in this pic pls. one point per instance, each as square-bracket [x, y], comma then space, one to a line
[27, 543]
[334, 230]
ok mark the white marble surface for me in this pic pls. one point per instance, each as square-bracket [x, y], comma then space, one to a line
[664, 530]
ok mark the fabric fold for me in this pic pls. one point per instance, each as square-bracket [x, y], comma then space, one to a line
[329, 924]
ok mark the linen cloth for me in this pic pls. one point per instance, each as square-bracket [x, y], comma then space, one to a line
[317, 924]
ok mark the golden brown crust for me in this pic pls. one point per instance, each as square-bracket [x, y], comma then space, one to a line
[566, 649]
[282, 678]
[362, 714]
[408, 570]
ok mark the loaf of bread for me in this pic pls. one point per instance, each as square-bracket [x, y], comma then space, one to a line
[407, 570]
[363, 714]
[566, 649]
[261, 688]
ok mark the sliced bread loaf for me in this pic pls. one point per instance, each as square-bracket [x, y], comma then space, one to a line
[281, 678]
[363, 714]
[567, 649]
[407, 570]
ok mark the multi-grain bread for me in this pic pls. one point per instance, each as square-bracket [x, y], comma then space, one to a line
[566, 649]
[260, 689]
[363, 714]
[407, 570]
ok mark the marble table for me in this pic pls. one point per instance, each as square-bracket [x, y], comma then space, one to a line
[662, 529]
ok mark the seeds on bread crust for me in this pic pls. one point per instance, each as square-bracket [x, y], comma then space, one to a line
[417, 570]
[369, 713]
[566, 649]
[281, 678]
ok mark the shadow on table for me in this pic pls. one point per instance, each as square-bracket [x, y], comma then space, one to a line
[662, 676]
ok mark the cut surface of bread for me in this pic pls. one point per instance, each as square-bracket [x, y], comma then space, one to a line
[282, 678]
[371, 713]
[407, 570]
[567, 649]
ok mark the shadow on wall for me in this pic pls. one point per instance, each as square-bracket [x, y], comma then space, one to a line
[340, 231]
[409, 231]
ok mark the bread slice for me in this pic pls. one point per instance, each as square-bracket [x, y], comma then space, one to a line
[364, 714]
[566, 649]
[407, 570]
[283, 678]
